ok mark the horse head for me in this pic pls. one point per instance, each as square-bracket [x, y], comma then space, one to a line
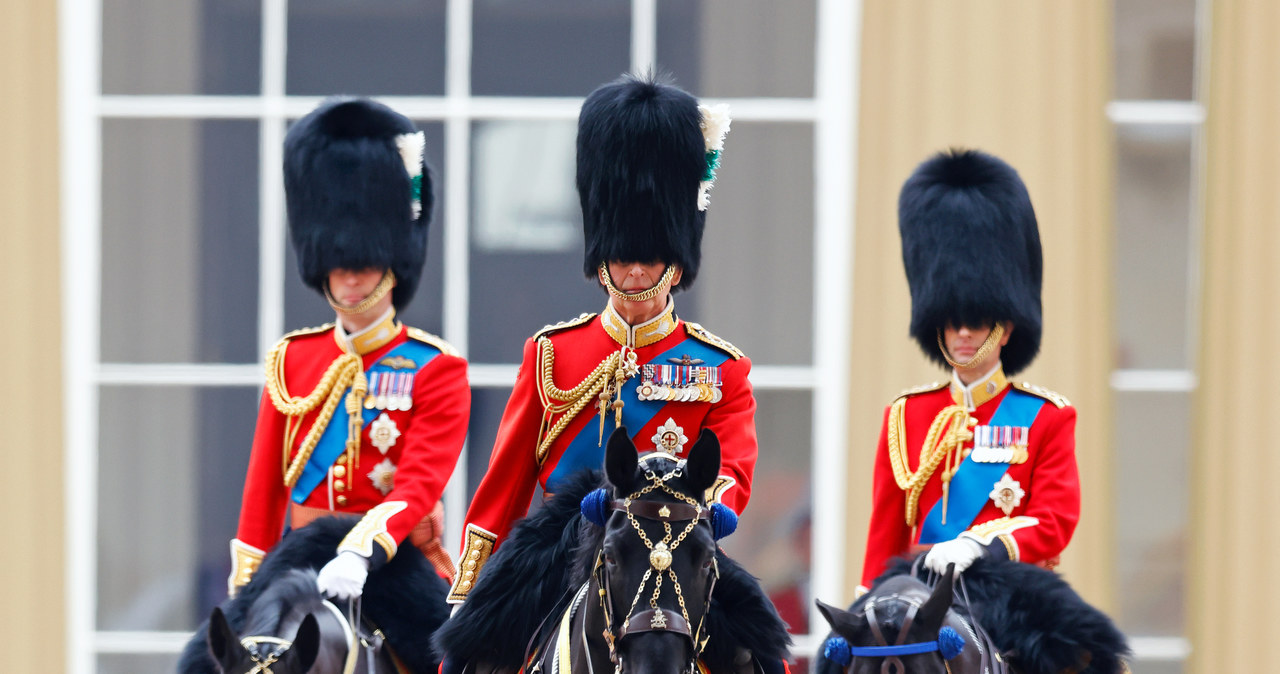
[656, 563]
[900, 626]
[256, 654]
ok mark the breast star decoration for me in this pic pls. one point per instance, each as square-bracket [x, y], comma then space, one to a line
[1007, 494]
[670, 438]
[383, 476]
[383, 433]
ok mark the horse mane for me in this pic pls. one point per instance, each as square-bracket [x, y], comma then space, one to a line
[522, 582]
[293, 595]
[742, 617]
[1009, 598]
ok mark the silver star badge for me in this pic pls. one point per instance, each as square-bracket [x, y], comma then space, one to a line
[383, 476]
[1007, 494]
[383, 433]
[669, 438]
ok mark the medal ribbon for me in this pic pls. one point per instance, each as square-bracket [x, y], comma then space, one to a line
[971, 485]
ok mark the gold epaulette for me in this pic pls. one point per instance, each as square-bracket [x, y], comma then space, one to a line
[305, 331]
[703, 335]
[562, 325]
[1059, 400]
[923, 388]
[432, 340]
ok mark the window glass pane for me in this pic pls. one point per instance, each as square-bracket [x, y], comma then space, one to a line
[772, 540]
[1151, 463]
[137, 663]
[181, 46]
[1153, 239]
[179, 241]
[1155, 49]
[304, 307]
[170, 474]
[548, 48]
[745, 48]
[755, 285]
[388, 47]
[526, 236]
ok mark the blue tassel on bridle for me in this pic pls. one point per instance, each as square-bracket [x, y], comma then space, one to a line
[595, 507]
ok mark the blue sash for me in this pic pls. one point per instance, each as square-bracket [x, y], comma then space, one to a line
[587, 451]
[971, 485]
[333, 441]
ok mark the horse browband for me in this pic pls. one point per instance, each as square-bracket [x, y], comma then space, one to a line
[663, 511]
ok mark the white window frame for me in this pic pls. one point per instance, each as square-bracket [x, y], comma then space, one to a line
[1191, 116]
[831, 111]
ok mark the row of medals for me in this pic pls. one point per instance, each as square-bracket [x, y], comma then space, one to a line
[396, 400]
[703, 393]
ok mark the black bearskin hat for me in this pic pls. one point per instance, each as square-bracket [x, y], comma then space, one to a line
[352, 169]
[641, 156]
[971, 251]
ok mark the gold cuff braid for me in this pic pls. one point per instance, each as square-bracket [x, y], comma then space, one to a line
[245, 560]
[476, 549]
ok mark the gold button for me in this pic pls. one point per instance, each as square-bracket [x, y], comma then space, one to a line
[342, 500]
[475, 554]
[339, 471]
[339, 485]
[466, 585]
[471, 564]
[478, 545]
[468, 575]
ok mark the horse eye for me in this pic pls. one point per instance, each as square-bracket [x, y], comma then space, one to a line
[608, 558]
[706, 564]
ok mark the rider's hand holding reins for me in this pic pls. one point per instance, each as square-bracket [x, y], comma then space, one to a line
[962, 552]
[343, 577]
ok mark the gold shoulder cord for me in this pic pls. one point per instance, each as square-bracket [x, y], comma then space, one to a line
[949, 430]
[346, 371]
[602, 384]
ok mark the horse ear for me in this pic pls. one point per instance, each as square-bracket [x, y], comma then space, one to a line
[620, 461]
[841, 621]
[934, 610]
[224, 645]
[703, 464]
[306, 643]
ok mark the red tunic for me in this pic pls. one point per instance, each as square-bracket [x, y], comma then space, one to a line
[1036, 530]
[579, 347]
[410, 475]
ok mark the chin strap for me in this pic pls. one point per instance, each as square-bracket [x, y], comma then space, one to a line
[642, 296]
[384, 286]
[988, 345]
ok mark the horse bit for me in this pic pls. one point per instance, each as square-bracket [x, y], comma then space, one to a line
[656, 618]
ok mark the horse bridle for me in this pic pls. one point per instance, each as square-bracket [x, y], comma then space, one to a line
[352, 636]
[656, 618]
[892, 664]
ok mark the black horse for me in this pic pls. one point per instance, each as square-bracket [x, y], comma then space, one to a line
[1002, 616]
[625, 576]
[403, 601]
[291, 629]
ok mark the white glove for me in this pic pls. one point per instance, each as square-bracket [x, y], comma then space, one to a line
[343, 577]
[962, 552]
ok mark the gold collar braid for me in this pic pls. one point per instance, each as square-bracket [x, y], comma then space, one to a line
[948, 432]
[643, 295]
[385, 284]
[346, 371]
[988, 344]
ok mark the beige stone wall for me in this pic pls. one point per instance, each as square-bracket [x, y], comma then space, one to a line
[1235, 542]
[33, 619]
[1028, 81]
